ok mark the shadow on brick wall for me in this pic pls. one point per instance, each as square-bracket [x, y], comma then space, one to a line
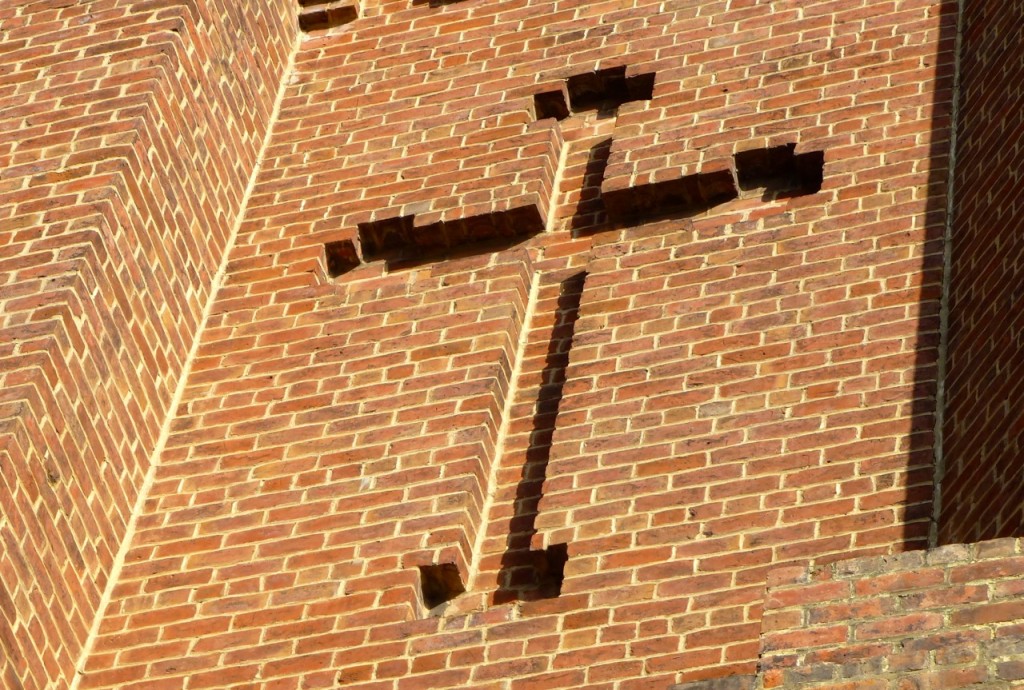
[982, 494]
[526, 573]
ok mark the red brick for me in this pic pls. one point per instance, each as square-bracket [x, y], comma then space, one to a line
[748, 387]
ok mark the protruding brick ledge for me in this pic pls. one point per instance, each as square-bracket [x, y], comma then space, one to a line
[689, 194]
[405, 237]
[316, 16]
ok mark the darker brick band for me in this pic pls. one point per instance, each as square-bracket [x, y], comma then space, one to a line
[948, 618]
[727, 683]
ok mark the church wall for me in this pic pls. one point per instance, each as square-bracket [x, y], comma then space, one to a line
[506, 314]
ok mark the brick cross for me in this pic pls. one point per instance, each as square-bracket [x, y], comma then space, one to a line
[530, 569]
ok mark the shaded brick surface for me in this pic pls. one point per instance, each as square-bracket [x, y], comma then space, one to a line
[983, 488]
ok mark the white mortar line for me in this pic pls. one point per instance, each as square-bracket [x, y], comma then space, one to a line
[554, 202]
[179, 392]
[947, 277]
[506, 420]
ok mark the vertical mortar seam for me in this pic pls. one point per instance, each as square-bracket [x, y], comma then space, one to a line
[179, 391]
[938, 448]
[506, 420]
[556, 185]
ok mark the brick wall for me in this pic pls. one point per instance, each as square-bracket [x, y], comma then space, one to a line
[947, 618]
[128, 134]
[603, 337]
[982, 489]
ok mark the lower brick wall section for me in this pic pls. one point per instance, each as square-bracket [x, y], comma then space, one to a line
[727, 683]
[948, 618]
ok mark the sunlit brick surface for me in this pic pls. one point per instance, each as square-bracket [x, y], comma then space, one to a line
[748, 388]
[486, 375]
[128, 134]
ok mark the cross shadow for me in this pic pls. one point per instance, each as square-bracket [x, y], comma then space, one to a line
[590, 215]
[527, 574]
